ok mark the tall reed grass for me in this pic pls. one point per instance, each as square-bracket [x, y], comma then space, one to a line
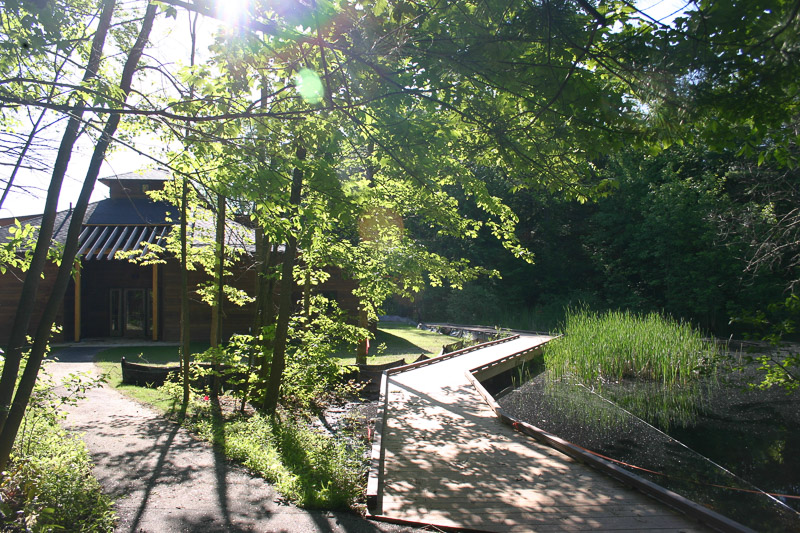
[619, 345]
[648, 364]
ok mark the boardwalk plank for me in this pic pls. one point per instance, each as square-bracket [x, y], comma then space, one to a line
[450, 461]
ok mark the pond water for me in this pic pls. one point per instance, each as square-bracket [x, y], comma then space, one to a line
[737, 444]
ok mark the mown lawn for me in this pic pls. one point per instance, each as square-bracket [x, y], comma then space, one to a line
[108, 361]
[398, 340]
[393, 341]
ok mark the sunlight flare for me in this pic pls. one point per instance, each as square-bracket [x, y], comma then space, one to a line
[234, 12]
[309, 85]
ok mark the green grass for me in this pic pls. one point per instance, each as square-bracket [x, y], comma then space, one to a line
[108, 361]
[615, 345]
[307, 467]
[650, 365]
[151, 354]
[400, 340]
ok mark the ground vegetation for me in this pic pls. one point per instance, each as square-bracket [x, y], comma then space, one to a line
[48, 484]
[433, 144]
[309, 465]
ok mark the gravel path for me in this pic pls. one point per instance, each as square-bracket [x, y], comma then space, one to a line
[163, 480]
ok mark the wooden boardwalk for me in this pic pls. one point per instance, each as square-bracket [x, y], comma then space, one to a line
[449, 461]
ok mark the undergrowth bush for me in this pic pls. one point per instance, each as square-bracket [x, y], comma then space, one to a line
[313, 378]
[227, 369]
[49, 483]
[306, 466]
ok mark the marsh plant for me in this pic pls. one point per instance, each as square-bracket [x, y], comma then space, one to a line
[656, 367]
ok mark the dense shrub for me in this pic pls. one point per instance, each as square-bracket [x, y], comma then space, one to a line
[672, 235]
[313, 378]
[473, 304]
[49, 483]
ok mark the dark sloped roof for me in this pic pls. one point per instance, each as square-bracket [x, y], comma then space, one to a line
[60, 227]
[129, 211]
[119, 216]
[236, 235]
[106, 241]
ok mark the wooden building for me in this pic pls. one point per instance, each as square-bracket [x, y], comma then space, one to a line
[111, 297]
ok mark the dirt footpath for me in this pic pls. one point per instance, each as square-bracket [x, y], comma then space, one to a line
[163, 480]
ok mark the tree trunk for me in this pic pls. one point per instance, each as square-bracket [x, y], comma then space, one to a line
[260, 267]
[361, 353]
[219, 291]
[185, 337]
[219, 268]
[307, 295]
[22, 318]
[268, 318]
[264, 286]
[29, 375]
[361, 349]
[285, 305]
[185, 332]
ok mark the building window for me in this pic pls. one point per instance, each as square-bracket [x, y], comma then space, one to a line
[130, 312]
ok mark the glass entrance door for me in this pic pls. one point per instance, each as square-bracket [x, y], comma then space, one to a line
[135, 313]
[129, 312]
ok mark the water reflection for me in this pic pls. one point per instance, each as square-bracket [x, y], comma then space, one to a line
[721, 427]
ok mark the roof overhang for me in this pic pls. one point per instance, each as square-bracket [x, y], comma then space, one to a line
[98, 242]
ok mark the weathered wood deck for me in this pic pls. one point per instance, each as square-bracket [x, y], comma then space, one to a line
[449, 461]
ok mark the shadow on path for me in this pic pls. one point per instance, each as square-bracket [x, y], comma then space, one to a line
[154, 476]
[164, 480]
